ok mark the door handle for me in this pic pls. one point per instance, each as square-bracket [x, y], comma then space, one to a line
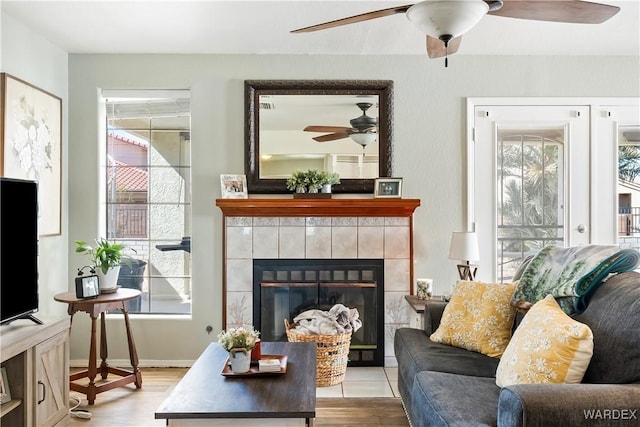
[44, 392]
[581, 228]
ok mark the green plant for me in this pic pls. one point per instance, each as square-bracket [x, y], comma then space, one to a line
[330, 178]
[314, 179]
[297, 179]
[242, 337]
[104, 255]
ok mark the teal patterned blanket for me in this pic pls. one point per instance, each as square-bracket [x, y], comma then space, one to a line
[571, 274]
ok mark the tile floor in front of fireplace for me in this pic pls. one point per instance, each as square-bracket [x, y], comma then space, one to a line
[364, 382]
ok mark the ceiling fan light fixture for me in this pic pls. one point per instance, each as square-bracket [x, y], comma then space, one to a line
[364, 139]
[448, 17]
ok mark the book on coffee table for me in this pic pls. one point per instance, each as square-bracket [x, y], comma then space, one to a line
[269, 365]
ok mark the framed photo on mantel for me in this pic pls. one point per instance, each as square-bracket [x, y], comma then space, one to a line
[233, 186]
[388, 188]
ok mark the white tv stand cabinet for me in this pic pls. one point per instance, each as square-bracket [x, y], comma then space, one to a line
[36, 360]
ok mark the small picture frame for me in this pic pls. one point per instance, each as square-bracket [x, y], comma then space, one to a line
[5, 393]
[233, 186]
[388, 188]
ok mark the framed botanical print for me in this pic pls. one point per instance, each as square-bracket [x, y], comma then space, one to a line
[31, 145]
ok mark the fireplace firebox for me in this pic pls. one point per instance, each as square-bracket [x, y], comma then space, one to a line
[283, 288]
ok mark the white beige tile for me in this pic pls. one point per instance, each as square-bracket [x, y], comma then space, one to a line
[239, 309]
[266, 221]
[367, 389]
[339, 221]
[265, 242]
[292, 221]
[238, 221]
[239, 242]
[344, 242]
[330, 391]
[318, 221]
[396, 275]
[395, 308]
[389, 334]
[367, 221]
[364, 373]
[390, 361]
[392, 374]
[396, 221]
[318, 242]
[240, 275]
[395, 389]
[370, 242]
[291, 242]
[396, 242]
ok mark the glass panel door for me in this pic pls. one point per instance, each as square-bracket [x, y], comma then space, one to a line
[530, 194]
[529, 184]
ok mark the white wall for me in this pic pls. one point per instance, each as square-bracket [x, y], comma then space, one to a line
[26, 55]
[428, 140]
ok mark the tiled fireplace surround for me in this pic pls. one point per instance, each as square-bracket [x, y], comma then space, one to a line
[317, 229]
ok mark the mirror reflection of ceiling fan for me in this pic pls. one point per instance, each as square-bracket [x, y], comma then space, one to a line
[363, 130]
[444, 21]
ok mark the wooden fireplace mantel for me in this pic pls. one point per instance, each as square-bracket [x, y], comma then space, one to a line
[318, 207]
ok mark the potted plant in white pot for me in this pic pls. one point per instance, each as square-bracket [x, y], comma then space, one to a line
[239, 342]
[105, 259]
[329, 179]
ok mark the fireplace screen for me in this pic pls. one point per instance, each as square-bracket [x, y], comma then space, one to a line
[285, 288]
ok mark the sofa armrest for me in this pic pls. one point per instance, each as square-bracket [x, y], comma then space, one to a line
[433, 310]
[569, 405]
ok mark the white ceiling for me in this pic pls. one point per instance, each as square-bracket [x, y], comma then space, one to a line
[262, 27]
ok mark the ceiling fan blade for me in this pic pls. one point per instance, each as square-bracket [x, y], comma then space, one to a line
[435, 47]
[353, 19]
[331, 137]
[571, 11]
[325, 129]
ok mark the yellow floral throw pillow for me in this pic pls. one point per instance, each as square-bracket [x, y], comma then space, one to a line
[547, 347]
[478, 318]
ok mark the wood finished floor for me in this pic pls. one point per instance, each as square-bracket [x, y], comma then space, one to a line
[126, 406]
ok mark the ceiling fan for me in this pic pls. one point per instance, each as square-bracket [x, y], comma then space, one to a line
[444, 21]
[363, 130]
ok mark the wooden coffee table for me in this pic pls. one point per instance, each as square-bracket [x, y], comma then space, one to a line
[204, 394]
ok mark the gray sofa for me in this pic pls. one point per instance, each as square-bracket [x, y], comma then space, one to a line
[441, 385]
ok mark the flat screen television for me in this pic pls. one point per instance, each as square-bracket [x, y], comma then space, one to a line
[18, 249]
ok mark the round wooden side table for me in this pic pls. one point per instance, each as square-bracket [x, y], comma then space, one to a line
[99, 306]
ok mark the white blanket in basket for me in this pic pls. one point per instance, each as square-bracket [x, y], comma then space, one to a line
[339, 319]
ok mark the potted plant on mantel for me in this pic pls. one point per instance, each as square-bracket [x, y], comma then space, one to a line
[105, 259]
[239, 342]
[297, 182]
[308, 184]
[329, 179]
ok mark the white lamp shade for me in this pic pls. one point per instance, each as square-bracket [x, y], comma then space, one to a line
[464, 246]
[364, 138]
[451, 17]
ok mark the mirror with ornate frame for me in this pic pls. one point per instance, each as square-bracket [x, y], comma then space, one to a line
[277, 113]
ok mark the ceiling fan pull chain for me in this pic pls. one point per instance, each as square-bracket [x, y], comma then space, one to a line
[445, 38]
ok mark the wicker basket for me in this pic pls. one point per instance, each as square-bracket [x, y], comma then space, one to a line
[331, 356]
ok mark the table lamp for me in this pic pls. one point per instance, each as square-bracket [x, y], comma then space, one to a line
[464, 247]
